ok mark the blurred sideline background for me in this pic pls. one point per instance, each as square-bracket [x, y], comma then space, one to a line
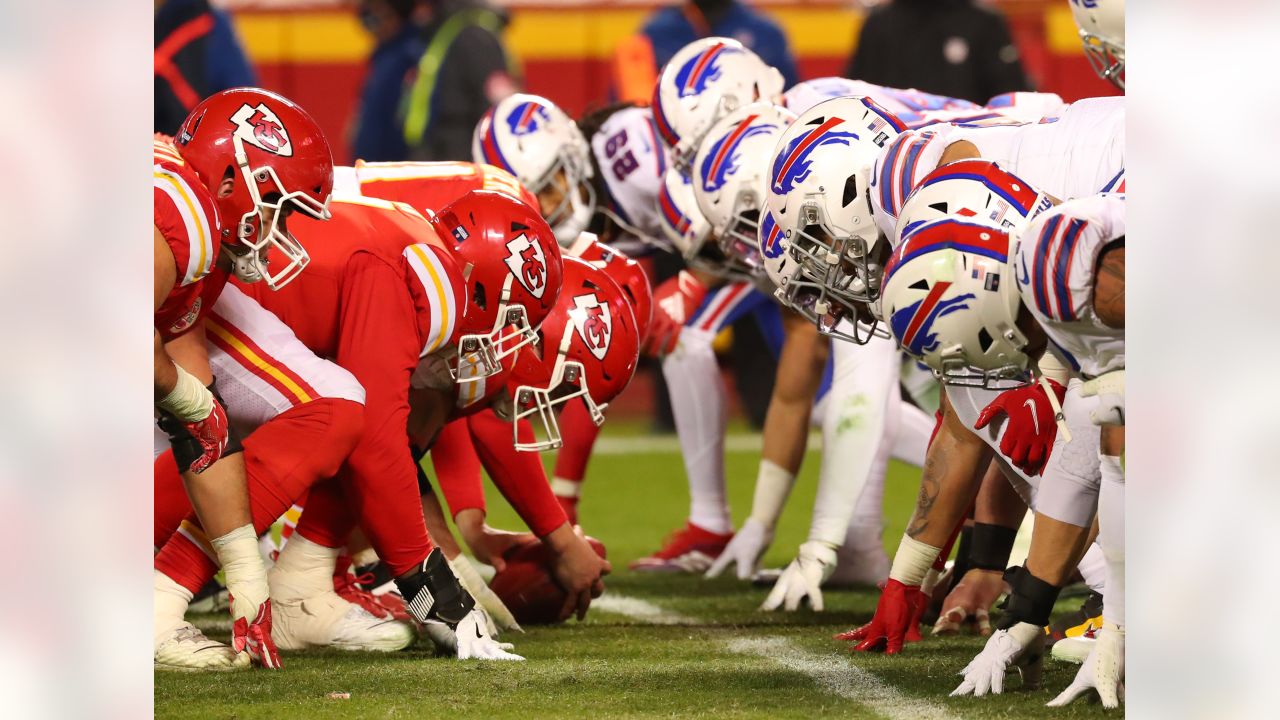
[315, 51]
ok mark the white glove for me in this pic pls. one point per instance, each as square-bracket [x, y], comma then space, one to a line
[1102, 671]
[1109, 389]
[486, 599]
[471, 640]
[803, 578]
[1019, 648]
[744, 550]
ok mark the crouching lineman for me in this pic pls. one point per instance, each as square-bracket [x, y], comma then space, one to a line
[243, 161]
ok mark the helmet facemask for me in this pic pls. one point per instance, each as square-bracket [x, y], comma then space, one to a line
[739, 241]
[1106, 57]
[568, 380]
[263, 226]
[480, 355]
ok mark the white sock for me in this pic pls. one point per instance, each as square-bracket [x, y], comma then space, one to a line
[1093, 568]
[912, 439]
[1111, 538]
[698, 406]
[170, 608]
[302, 570]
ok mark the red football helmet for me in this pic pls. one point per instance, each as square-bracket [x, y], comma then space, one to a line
[512, 267]
[624, 271]
[587, 347]
[280, 161]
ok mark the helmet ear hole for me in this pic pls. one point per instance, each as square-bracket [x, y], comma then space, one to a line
[850, 190]
[984, 340]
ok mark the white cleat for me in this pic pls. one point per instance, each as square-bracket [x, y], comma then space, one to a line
[1073, 649]
[859, 568]
[326, 620]
[186, 648]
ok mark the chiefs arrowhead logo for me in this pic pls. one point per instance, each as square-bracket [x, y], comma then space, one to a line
[260, 127]
[528, 264]
[593, 322]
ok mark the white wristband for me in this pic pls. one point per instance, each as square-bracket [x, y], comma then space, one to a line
[912, 561]
[242, 565]
[773, 485]
[190, 400]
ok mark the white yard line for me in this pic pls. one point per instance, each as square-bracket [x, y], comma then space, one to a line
[838, 675]
[841, 676]
[738, 442]
[641, 610]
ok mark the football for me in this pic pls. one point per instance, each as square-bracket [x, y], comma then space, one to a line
[527, 586]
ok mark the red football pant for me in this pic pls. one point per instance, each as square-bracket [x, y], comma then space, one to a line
[283, 458]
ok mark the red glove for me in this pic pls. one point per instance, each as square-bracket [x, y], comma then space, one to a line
[211, 433]
[256, 638]
[919, 602]
[1032, 427]
[899, 605]
[674, 302]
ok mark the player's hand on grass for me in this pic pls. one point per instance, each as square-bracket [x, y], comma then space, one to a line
[495, 611]
[246, 578]
[969, 604]
[577, 569]
[899, 604]
[254, 637]
[471, 640]
[744, 550]
[803, 578]
[1017, 649]
[1102, 671]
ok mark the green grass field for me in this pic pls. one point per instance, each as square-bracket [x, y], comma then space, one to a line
[721, 659]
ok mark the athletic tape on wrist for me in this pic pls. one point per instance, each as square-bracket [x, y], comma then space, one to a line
[186, 449]
[912, 561]
[1030, 599]
[990, 546]
[773, 485]
[189, 400]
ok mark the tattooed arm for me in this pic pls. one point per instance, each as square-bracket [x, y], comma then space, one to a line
[953, 470]
[1108, 286]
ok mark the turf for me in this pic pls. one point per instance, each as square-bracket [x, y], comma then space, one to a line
[615, 666]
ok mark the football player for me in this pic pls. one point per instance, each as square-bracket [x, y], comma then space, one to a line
[1101, 25]
[243, 161]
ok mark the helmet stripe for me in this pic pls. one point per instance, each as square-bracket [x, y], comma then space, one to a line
[810, 139]
[729, 145]
[922, 312]
[660, 118]
[489, 146]
[924, 241]
[703, 61]
[1023, 198]
[885, 115]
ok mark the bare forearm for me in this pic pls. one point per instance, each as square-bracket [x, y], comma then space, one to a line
[997, 502]
[799, 375]
[438, 527]
[952, 474]
[1056, 549]
[220, 496]
[166, 374]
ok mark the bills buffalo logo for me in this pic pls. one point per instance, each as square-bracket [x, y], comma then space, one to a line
[527, 264]
[593, 322]
[793, 165]
[693, 77]
[527, 117]
[722, 159]
[260, 127]
[913, 324]
[770, 237]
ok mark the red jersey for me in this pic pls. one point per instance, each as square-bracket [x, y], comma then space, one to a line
[187, 218]
[433, 185]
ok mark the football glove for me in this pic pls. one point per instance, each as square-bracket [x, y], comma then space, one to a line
[674, 302]
[474, 642]
[246, 579]
[898, 608]
[744, 550]
[1031, 428]
[497, 613]
[1109, 389]
[1102, 671]
[1019, 648]
[803, 578]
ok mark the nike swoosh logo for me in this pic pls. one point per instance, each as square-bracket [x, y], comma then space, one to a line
[1026, 277]
[478, 635]
[1035, 418]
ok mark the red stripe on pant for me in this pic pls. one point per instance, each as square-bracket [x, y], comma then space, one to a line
[283, 458]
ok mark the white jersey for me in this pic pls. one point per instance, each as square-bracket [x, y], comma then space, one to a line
[632, 161]
[1057, 256]
[908, 105]
[1078, 154]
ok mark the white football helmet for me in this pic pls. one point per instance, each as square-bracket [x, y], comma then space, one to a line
[533, 139]
[729, 176]
[973, 191]
[818, 197]
[682, 221]
[704, 81]
[951, 299]
[1101, 24]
